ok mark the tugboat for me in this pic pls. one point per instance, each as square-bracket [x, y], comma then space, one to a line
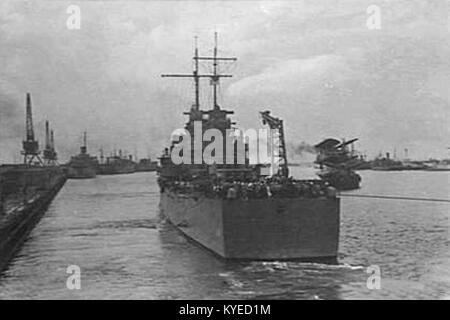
[82, 166]
[338, 163]
[236, 210]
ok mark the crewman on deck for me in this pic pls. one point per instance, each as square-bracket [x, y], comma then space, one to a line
[231, 193]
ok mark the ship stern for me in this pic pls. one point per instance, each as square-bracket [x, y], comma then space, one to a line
[281, 228]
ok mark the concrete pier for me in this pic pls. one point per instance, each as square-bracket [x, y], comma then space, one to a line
[25, 193]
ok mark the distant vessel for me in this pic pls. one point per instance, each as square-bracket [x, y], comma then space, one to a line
[362, 163]
[440, 166]
[82, 166]
[236, 210]
[146, 165]
[116, 164]
[387, 164]
[413, 165]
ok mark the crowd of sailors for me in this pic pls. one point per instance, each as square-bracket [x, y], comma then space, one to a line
[258, 188]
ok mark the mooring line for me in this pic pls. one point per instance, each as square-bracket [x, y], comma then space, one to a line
[392, 197]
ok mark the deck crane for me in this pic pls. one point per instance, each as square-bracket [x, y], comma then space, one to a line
[277, 124]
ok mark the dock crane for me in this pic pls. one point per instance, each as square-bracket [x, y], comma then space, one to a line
[50, 155]
[277, 124]
[30, 145]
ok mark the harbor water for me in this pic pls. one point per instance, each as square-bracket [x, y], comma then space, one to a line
[111, 228]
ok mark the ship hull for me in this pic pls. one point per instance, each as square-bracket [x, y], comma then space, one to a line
[146, 169]
[438, 168]
[389, 168]
[81, 172]
[258, 229]
[110, 170]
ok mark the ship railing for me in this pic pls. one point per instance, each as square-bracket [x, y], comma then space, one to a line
[252, 190]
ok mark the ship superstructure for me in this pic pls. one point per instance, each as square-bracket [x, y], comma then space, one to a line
[116, 164]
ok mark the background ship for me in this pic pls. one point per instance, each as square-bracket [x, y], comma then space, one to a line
[146, 165]
[235, 210]
[116, 164]
[82, 166]
[443, 165]
[387, 164]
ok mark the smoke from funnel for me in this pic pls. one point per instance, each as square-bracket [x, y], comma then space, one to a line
[303, 148]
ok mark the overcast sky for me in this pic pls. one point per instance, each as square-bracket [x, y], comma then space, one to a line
[313, 63]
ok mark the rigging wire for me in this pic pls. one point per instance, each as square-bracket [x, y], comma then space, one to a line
[392, 197]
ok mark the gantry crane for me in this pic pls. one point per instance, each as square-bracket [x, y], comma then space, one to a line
[50, 155]
[30, 145]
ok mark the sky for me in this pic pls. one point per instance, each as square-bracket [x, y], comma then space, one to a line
[315, 64]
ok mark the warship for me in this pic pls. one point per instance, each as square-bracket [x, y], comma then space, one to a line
[82, 166]
[27, 189]
[239, 211]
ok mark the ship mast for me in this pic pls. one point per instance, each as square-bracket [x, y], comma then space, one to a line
[215, 76]
[215, 79]
[196, 78]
